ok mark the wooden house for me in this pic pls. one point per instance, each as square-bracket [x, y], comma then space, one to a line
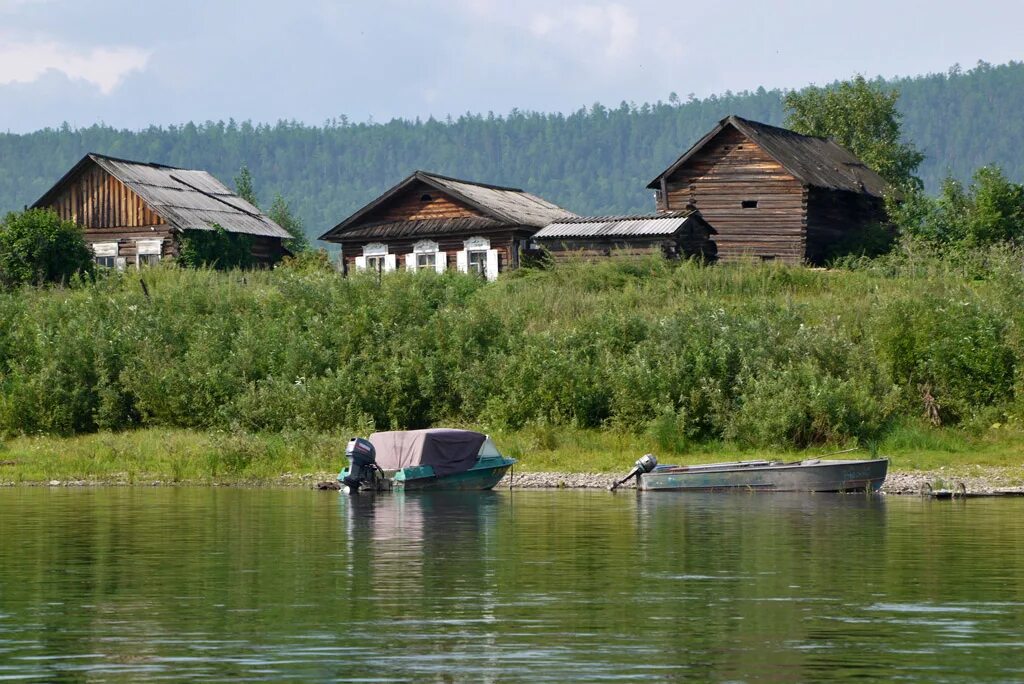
[135, 213]
[771, 193]
[434, 222]
[675, 235]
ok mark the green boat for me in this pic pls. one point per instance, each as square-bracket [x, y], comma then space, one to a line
[437, 459]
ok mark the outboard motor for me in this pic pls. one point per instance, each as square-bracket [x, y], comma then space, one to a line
[362, 467]
[644, 464]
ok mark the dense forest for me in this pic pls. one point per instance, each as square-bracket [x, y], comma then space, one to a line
[596, 160]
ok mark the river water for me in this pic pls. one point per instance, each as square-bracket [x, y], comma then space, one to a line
[129, 584]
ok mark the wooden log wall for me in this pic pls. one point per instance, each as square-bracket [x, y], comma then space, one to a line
[682, 247]
[503, 241]
[266, 250]
[127, 241]
[729, 171]
[109, 211]
[595, 250]
[418, 203]
[95, 199]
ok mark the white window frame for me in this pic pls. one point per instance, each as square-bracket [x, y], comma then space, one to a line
[420, 251]
[148, 252]
[476, 261]
[478, 248]
[427, 260]
[105, 254]
[375, 253]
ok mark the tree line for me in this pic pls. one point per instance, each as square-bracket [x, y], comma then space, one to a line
[596, 160]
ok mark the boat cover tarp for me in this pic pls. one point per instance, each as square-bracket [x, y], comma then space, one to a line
[447, 451]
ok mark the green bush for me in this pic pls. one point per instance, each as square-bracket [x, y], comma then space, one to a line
[767, 356]
[215, 248]
[799, 405]
[954, 349]
[38, 247]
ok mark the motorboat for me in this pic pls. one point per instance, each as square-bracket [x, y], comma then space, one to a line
[432, 459]
[808, 475]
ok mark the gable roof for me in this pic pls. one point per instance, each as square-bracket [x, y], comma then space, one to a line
[185, 199]
[501, 206]
[814, 161]
[649, 225]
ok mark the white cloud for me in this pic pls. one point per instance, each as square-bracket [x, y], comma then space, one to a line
[610, 28]
[25, 61]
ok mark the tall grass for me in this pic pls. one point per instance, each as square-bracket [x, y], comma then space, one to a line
[762, 356]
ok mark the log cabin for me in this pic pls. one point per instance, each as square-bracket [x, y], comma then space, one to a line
[674, 235]
[135, 213]
[428, 221]
[771, 193]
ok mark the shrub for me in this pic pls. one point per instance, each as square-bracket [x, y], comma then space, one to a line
[950, 350]
[215, 248]
[799, 405]
[37, 247]
[764, 356]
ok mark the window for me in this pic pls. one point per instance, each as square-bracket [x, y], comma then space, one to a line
[477, 261]
[425, 197]
[148, 252]
[375, 258]
[424, 260]
[749, 204]
[767, 257]
[105, 254]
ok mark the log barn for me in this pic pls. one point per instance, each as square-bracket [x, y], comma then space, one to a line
[771, 193]
[135, 213]
[428, 221]
[674, 235]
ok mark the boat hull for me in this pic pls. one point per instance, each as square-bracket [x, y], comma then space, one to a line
[485, 474]
[804, 476]
[475, 479]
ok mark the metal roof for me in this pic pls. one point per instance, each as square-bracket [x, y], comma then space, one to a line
[515, 205]
[501, 205]
[814, 161]
[186, 199]
[653, 225]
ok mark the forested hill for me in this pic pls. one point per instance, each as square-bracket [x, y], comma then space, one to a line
[593, 161]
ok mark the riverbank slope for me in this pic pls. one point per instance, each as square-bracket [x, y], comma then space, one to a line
[570, 458]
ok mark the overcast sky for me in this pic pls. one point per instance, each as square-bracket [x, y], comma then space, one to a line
[133, 63]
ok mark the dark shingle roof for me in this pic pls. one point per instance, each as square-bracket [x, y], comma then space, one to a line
[818, 162]
[184, 198]
[501, 205]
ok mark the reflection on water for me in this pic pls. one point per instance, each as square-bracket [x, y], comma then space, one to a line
[125, 584]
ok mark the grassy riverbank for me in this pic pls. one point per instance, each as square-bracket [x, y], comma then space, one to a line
[182, 456]
[579, 368]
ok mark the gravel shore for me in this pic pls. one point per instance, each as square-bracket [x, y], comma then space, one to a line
[976, 479]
